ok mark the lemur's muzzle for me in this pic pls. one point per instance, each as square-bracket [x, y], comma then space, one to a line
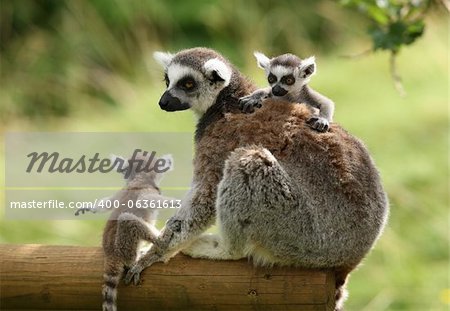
[278, 91]
[171, 103]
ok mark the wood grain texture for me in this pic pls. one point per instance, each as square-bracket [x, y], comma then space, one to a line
[44, 277]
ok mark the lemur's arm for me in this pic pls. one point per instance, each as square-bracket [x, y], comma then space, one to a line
[196, 214]
[321, 102]
[99, 207]
[254, 100]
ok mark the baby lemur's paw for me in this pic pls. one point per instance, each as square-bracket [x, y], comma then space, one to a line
[319, 124]
[248, 103]
[84, 210]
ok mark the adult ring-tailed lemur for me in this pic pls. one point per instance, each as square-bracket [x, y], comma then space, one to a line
[280, 192]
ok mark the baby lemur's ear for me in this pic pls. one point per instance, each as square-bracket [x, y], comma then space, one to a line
[163, 58]
[262, 60]
[217, 71]
[168, 159]
[307, 67]
[166, 167]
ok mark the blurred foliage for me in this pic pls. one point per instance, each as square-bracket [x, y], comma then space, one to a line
[394, 22]
[52, 50]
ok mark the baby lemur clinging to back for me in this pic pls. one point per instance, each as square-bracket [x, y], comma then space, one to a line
[288, 76]
[132, 220]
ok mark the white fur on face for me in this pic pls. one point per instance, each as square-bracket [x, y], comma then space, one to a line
[207, 97]
[175, 72]
[293, 90]
[281, 71]
[206, 93]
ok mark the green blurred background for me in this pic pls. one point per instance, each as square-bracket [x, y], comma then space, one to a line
[87, 66]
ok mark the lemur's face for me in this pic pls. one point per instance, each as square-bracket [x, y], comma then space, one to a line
[190, 85]
[286, 73]
[283, 80]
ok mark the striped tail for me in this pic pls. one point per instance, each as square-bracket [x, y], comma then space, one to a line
[111, 277]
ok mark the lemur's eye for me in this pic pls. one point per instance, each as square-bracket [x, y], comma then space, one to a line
[187, 84]
[271, 78]
[289, 80]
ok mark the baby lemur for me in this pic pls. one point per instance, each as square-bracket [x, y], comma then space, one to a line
[132, 220]
[288, 76]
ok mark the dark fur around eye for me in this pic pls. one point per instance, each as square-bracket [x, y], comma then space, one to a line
[288, 80]
[166, 79]
[187, 84]
[272, 78]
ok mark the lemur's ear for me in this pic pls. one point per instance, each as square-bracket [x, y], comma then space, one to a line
[163, 58]
[120, 164]
[262, 60]
[217, 71]
[168, 161]
[168, 166]
[307, 67]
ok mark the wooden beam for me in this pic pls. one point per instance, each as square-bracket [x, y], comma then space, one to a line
[44, 277]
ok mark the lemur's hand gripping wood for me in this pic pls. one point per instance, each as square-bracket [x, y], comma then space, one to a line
[194, 217]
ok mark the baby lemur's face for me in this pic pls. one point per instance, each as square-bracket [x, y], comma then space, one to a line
[286, 73]
[144, 169]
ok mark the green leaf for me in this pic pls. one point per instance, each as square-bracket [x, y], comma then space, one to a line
[414, 31]
[378, 14]
[395, 35]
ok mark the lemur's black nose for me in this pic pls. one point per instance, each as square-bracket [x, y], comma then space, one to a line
[278, 91]
[168, 101]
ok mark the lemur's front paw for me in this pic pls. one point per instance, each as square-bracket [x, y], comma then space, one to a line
[319, 124]
[84, 210]
[134, 273]
[248, 103]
